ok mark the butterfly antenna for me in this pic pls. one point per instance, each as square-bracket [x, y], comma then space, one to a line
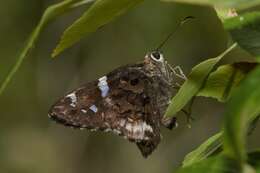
[185, 20]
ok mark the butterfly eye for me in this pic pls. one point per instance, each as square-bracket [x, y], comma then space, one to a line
[157, 56]
[134, 82]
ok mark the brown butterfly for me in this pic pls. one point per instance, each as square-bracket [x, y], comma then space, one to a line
[129, 101]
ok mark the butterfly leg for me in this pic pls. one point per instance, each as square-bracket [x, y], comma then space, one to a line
[176, 86]
[170, 123]
[177, 71]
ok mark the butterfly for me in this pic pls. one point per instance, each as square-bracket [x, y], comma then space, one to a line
[130, 101]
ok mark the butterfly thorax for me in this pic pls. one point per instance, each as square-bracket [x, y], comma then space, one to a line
[162, 79]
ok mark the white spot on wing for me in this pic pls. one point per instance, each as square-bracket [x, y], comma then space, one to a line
[73, 99]
[108, 130]
[128, 127]
[107, 124]
[122, 122]
[103, 86]
[137, 130]
[84, 111]
[146, 138]
[118, 132]
[130, 119]
[93, 108]
[93, 130]
[147, 127]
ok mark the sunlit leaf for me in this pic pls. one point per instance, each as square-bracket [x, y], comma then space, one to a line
[99, 14]
[193, 84]
[203, 151]
[50, 14]
[245, 30]
[225, 13]
[241, 4]
[218, 164]
[221, 83]
[242, 108]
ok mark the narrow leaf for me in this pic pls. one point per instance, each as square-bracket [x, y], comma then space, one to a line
[99, 14]
[218, 164]
[193, 84]
[212, 146]
[50, 14]
[203, 151]
[243, 107]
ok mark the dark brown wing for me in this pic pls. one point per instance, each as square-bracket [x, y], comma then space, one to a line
[121, 102]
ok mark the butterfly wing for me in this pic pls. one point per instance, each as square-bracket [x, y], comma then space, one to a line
[121, 102]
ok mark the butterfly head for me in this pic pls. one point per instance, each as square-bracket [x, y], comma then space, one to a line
[155, 60]
[156, 57]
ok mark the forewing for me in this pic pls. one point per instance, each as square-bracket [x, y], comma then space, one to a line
[120, 102]
[78, 108]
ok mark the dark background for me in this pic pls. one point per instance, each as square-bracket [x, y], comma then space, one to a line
[30, 142]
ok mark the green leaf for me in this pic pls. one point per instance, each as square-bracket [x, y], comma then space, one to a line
[99, 14]
[212, 146]
[193, 84]
[245, 30]
[243, 107]
[221, 83]
[50, 14]
[203, 151]
[218, 164]
[240, 4]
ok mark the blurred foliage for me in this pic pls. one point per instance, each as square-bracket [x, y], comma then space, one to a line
[30, 143]
[243, 107]
[245, 30]
[253, 159]
[50, 14]
[99, 14]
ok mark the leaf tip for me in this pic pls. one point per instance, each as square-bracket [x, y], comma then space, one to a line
[55, 52]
